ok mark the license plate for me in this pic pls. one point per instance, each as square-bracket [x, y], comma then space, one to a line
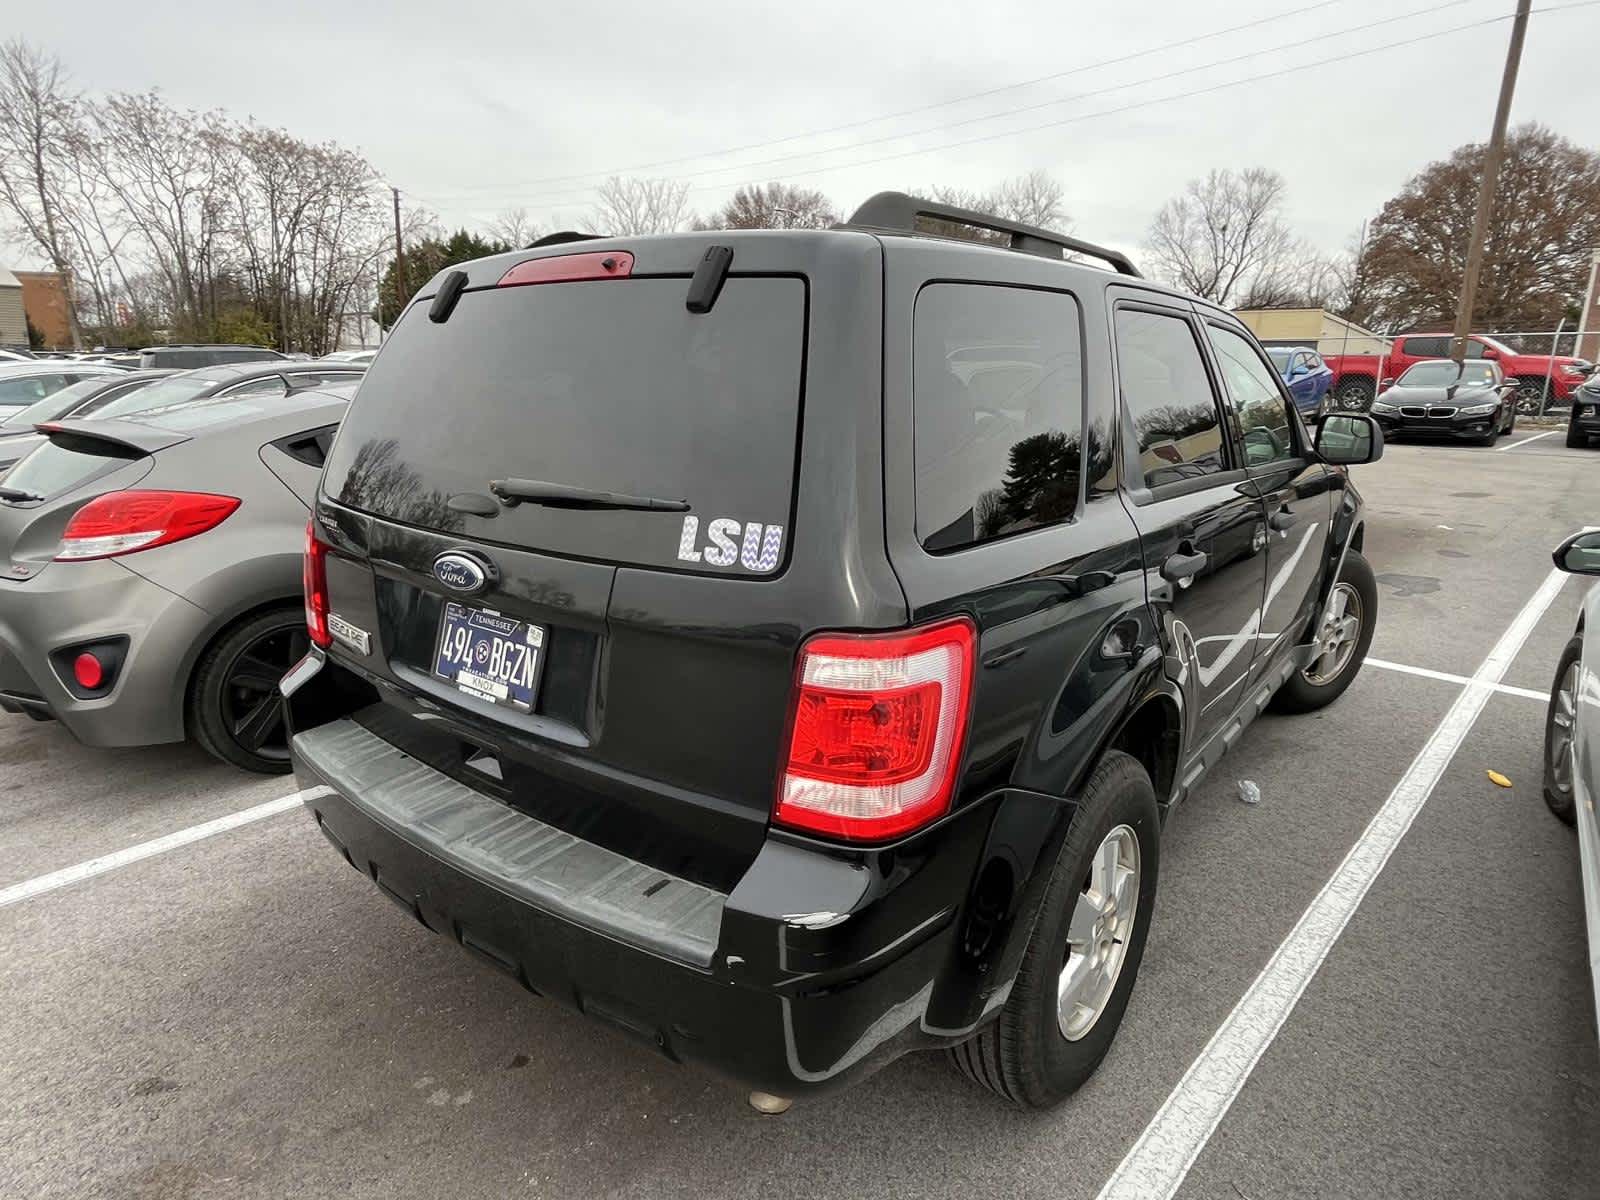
[491, 657]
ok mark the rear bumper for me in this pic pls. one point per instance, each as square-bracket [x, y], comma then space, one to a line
[67, 604]
[818, 967]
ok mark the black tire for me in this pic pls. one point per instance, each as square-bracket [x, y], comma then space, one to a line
[1022, 1054]
[1511, 421]
[1530, 391]
[1355, 394]
[1559, 797]
[1576, 439]
[233, 710]
[1308, 690]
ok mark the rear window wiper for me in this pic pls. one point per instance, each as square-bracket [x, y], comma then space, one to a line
[513, 492]
[19, 495]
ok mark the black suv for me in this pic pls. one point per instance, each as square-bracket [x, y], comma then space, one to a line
[786, 646]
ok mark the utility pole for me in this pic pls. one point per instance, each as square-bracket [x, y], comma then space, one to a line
[1491, 173]
[401, 296]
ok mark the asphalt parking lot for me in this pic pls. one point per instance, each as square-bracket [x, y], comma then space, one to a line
[242, 1016]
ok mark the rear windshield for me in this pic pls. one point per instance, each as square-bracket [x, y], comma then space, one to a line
[608, 386]
[65, 462]
[51, 407]
[175, 389]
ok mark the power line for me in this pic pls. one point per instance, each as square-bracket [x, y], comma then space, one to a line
[1141, 104]
[568, 195]
[1338, 58]
[908, 112]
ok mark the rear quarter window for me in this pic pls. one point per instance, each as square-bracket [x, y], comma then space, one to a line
[997, 411]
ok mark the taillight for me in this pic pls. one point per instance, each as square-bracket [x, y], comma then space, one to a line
[122, 522]
[877, 731]
[314, 577]
[570, 268]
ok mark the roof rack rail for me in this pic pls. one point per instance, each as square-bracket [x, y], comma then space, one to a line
[561, 238]
[898, 212]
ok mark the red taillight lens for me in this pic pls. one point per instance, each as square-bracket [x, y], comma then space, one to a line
[878, 726]
[569, 268]
[122, 522]
[314, 577]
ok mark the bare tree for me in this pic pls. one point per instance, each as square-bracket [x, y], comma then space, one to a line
[775, 206]
[515, 228]
[629, 205]
[38, 127]
[1033, 199]
[1223, 233]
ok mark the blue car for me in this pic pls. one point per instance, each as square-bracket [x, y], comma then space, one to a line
[1307, 377]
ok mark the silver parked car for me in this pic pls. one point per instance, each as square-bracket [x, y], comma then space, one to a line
[18, 435]
[25, 383]
[150, 572]
[1572, 736]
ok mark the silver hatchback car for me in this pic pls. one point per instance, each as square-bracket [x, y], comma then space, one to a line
[1572, 736]
[150, 572]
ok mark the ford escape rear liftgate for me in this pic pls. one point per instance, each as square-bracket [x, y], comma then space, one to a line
[541, 520]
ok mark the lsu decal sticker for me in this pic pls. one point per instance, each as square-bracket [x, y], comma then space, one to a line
[754, 546]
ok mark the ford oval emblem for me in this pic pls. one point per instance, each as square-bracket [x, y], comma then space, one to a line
[460, 572]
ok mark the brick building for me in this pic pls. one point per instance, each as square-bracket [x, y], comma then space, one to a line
[45, 296]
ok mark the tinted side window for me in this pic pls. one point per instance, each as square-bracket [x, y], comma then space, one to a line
[997, 411]
[1164, 384]
[1263, 415]
[1427, 347]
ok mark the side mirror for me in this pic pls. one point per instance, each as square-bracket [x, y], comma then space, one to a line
[1490, 352]
[1580, 553]
[1298, 370]
[1386, 382]
[1348, 440]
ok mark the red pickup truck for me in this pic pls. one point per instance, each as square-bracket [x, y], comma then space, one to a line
[1357, 378]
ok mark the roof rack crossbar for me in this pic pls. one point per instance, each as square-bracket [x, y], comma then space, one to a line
[898, 212]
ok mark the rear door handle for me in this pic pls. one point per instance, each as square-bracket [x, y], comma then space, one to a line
[1181, 568]
[1281, 521]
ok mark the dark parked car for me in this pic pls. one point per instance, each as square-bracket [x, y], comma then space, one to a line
[785, 646]
[258, 380]
[1438, 398]
[1306, 376]
[1583, 422]
[1572, 737]
[26, 383]
[18, 436]
[184, 358]
[150, 579]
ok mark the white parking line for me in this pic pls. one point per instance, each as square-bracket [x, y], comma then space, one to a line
[1156, 1164]
[30, 888]
[1526, 440]
[1503, 688]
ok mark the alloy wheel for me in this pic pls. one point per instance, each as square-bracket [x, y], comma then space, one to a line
[251, 709]
[1563, 710]
[1098, 934]
[1337, 636]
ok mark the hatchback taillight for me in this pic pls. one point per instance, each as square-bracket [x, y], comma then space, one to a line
[122, 522]
[877, 730]
[314, 577]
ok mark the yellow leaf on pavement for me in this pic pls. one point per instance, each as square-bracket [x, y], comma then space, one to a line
[1498, 779]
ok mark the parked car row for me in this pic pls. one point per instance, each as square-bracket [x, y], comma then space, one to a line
[205, 474]
[1357, 379]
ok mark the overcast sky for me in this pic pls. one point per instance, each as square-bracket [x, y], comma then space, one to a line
[475, 106]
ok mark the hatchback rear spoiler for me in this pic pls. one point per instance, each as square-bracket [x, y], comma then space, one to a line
[128, 435]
